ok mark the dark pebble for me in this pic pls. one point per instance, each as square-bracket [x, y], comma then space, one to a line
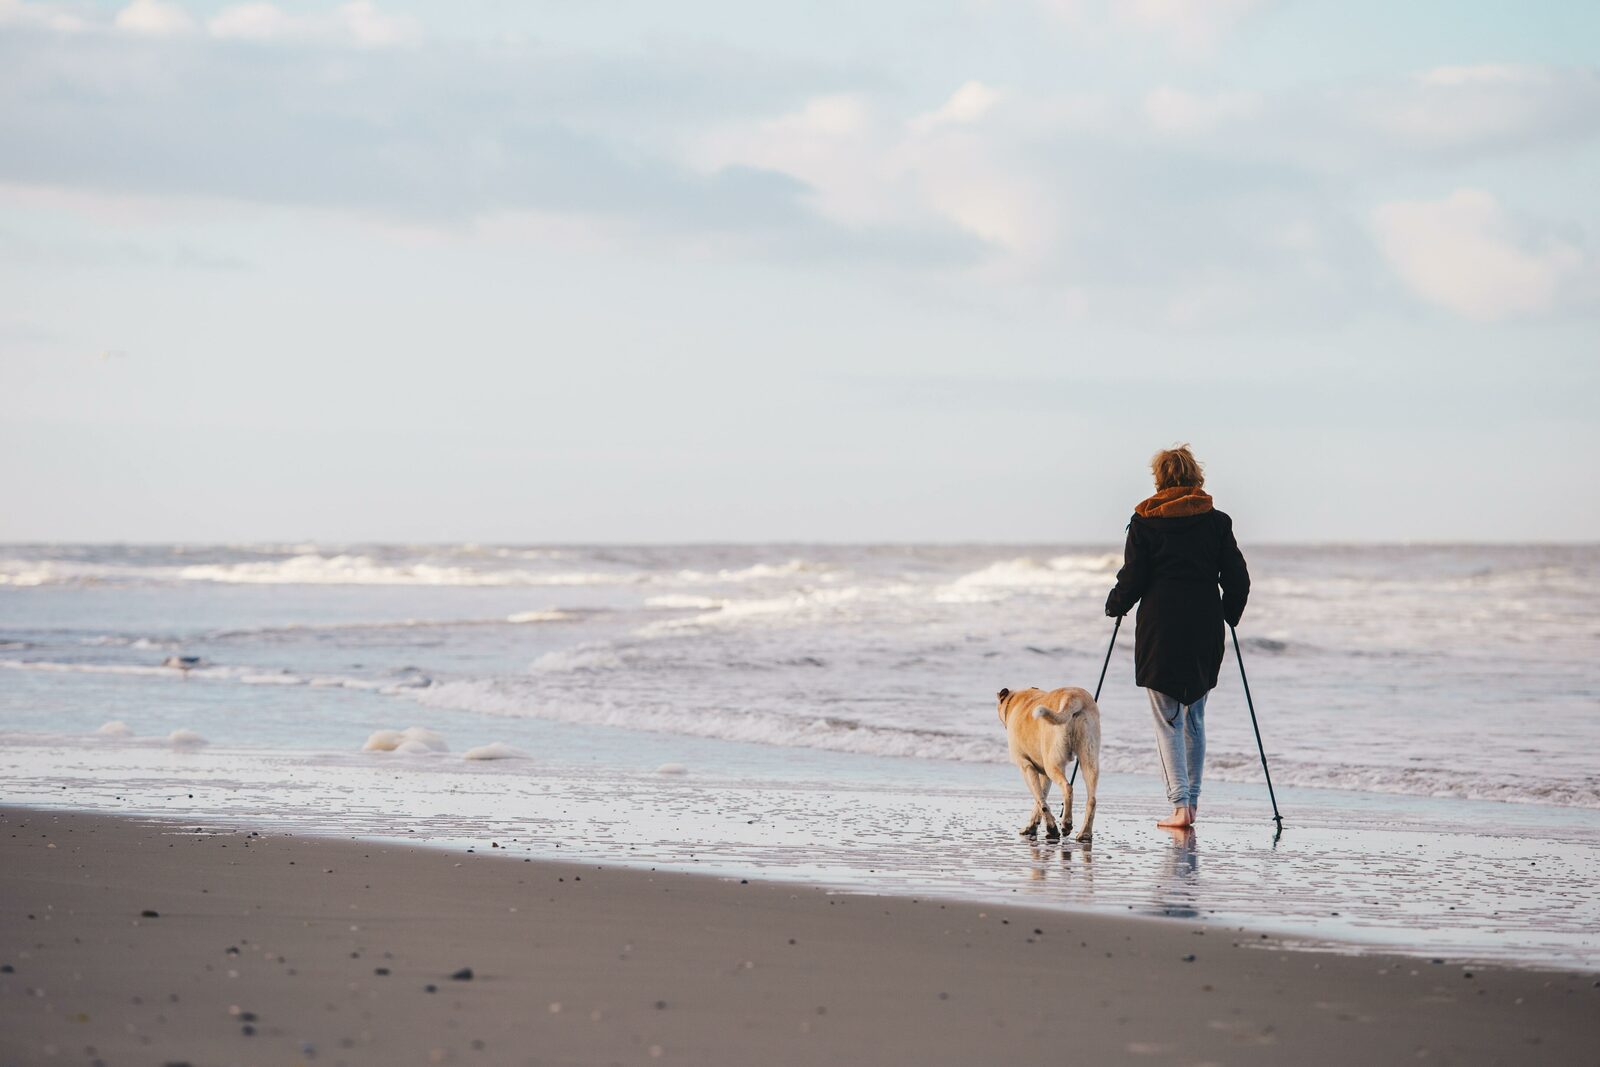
[944, 996]
[148, 914]
[1189, 958]
[230, 951]
[463, 975]
[661, 1005]
[248, 1016]
[6, 968]
[380, 970]
[247, 1030]
[430, 989]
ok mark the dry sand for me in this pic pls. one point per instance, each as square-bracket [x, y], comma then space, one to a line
[128, 942]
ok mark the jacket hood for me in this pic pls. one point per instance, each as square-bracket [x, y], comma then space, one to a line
[1175, 502]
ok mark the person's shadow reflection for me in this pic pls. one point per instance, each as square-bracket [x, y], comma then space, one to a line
[1178, 884]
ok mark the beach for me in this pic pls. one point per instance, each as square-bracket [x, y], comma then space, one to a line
[670, 761]
[137, 941]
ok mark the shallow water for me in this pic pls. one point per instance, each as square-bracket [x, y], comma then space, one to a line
[1462, 671]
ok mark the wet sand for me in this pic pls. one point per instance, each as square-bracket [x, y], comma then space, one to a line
[126, 941]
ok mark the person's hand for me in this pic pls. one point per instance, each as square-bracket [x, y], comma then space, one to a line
[1112, 612]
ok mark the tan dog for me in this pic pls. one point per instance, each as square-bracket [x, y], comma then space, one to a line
[1045, 731]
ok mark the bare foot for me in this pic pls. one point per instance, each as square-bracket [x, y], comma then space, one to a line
[1179, 818]
[1194, 815]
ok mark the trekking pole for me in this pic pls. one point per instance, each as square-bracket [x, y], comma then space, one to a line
[1074, 779]
[1257, 726]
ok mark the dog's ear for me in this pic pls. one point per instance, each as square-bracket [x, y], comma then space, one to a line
[1002, 694]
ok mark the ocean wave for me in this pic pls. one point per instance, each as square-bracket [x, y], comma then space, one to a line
[756, 572]
[396, 681]
[305, 569]
[315, 569]
[1025, 574]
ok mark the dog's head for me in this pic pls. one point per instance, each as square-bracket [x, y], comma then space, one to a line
[1003, 696]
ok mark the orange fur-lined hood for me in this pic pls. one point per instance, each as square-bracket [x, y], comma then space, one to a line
[1175, 502]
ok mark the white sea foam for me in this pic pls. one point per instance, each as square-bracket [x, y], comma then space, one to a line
[494, 750]
[309, 568]
[582, 658]
[115, 728]
[411, 739]
[756, 572]
[684, 601]
[552, 615]
[313, 569]
[672, 768]
[186, 738]
[1060, 574]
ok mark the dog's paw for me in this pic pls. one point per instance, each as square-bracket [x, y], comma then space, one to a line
[1086, 837]
[1028, 831]
[1052, 834]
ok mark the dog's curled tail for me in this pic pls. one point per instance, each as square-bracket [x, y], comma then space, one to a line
[1072, 707]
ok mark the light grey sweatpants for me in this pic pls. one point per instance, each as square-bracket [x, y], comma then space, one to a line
[1181, 743]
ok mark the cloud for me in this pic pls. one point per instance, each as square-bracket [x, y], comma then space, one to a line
[1189, 27]
[154, 17]
[1466, 254]
[1466, 110]
[20, 13]
[359, 23]
[970, 103]
[1175, 111]
[949, 169]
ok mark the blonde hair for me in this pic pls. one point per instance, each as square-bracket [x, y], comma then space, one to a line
[1176, 466]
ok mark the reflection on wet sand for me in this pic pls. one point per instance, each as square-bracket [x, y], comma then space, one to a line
[1177, 888]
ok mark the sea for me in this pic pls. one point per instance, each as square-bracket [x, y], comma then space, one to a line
[827, 713]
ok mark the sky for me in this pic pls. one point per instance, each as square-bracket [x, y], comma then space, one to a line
[625, 271]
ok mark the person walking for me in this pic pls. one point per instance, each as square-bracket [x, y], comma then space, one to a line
[1180, 550]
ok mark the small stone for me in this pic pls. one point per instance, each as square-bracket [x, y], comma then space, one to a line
[661, 1005]
[6, 968]
[1189, 958]
[247, 1030]
[380, 970]
[148, 914]
[430, 989]
[463, 975]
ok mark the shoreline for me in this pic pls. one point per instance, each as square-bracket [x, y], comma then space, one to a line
[329, 945]
[1463, 880]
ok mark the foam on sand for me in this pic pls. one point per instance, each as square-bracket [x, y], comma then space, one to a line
[494, 750]
[672, 768]
[413, 739]
[115, 728]
[186, 738]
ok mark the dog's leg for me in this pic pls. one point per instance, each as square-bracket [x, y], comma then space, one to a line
[1050, 831]
[1091, 778]
[1031, 778]
[1059, 776]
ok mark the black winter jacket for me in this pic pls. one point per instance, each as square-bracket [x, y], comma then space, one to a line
[1179, 551]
